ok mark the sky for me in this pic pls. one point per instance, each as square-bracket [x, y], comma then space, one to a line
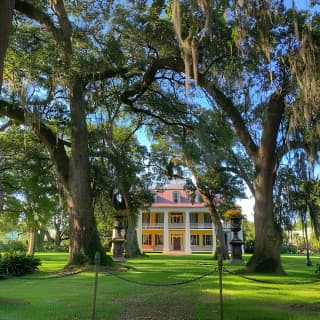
[247, 205]
[299, 4]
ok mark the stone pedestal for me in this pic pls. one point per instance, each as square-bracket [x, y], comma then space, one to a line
[118, 239]
[236, 243]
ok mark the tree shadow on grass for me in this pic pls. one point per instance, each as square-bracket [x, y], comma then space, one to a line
[165, 308]
[12, 301]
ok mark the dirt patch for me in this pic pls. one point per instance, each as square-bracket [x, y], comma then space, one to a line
[166, 308]
[12, 301]
[303, 307]
[313, 307]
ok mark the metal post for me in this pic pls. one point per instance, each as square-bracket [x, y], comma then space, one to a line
[97, 264]
[220, 263]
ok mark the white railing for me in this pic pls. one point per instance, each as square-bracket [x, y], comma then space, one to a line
[176, 225]
[152, 225]
[201, 225]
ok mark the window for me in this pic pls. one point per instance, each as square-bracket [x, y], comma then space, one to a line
[176, 196]
[194, 239]
[155, 198]
[176, 218]
[207, 240]
[159, 239]
[198, 198]
[193, 218]
[159, 217]
[207, 218]
[146, 217]
[146, 239]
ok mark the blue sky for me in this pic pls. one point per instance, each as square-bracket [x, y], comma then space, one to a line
[300, 4]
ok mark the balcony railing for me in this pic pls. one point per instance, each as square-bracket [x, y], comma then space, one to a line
[202, 225]
[176, 225]
[152, 225]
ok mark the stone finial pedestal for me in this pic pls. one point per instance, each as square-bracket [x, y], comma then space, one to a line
[118, 239]
[236, 242]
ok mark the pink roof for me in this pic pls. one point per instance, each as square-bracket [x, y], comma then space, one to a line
[165, 199]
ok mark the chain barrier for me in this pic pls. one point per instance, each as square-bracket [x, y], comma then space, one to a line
[57, 276]
[153, 284]
[270, 282]
[207, 274]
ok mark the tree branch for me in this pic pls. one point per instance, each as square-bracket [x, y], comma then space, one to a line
[38, 15]
[242, 172]
[56, 146]
[233, 113]
[172, 63]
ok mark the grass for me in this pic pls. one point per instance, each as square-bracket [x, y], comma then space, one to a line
[37, 297]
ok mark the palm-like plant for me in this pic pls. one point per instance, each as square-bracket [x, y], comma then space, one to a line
[305, 200]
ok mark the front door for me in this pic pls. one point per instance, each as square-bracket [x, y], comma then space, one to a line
[176, 243]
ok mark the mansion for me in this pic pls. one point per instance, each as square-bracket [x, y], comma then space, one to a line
[174, 224]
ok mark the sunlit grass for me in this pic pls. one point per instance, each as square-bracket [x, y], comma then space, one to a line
[36, 297]
[52, 261]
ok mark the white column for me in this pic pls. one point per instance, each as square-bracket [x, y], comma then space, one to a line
[139, 231]
[187, 248]
[165, 232]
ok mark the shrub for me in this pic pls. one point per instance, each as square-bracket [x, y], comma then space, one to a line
[18, 264]
[288, 248]
[249, 246]
[13, 245]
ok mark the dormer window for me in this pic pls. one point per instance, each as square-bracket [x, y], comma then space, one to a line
[176, 197]
[198, 198]
[155, 197]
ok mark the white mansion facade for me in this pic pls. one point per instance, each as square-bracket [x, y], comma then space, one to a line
[174, 224]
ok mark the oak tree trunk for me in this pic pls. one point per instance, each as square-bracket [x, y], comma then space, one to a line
[221, 248]
[266, 256]
[32, 241]
[267, 246]
[6, 11]
[73, 170]
[84, 237]
[268, 240]
[132, 246]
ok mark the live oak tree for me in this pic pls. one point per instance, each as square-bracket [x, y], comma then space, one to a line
[265, 32]
[118, 176]
[53, 71]
[208, 154]
[29, 185]
[54, 58]
[248, 77]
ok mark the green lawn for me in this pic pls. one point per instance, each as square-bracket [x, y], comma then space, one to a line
[37, 297]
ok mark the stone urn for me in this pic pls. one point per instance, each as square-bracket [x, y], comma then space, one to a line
[236, 243]
[118, 238]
